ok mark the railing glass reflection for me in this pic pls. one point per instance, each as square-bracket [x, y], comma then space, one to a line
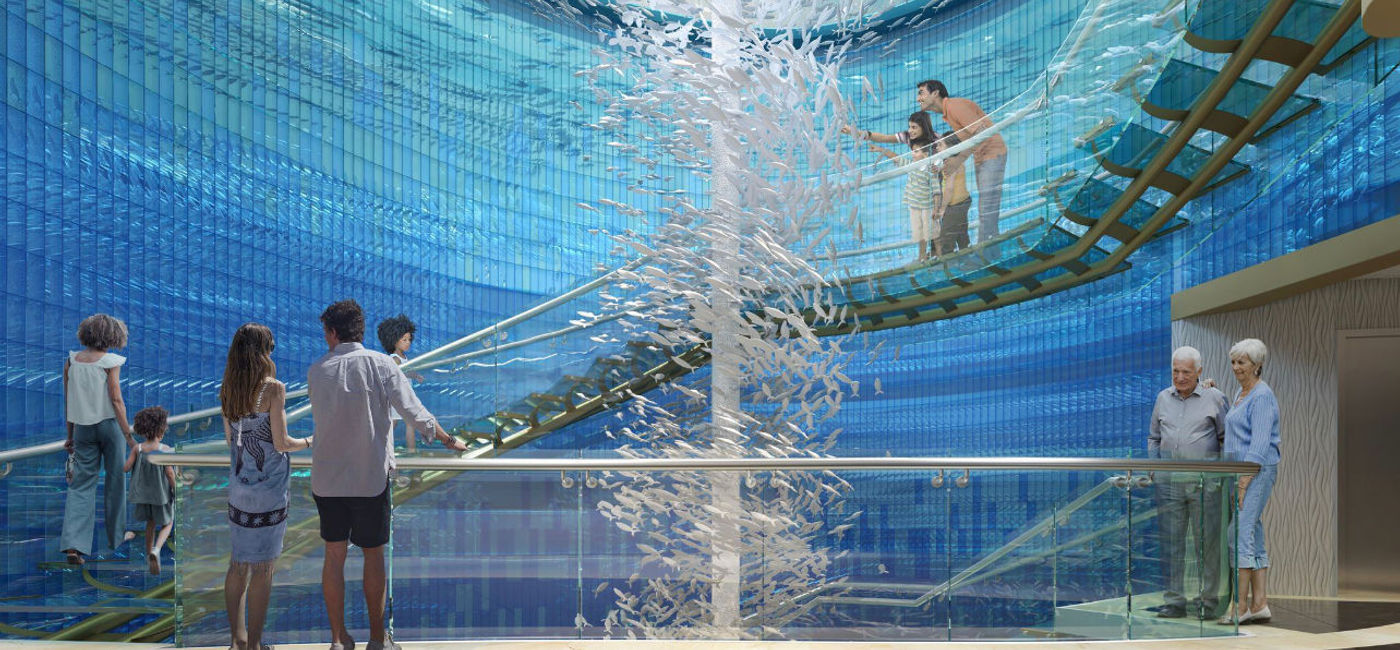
[516, 549]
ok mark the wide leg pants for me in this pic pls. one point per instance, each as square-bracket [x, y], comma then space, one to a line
[97, 446]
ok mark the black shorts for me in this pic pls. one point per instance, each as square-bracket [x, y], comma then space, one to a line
[362, 520]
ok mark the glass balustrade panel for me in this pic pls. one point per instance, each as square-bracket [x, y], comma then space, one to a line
[202, 540]
[801, 555]
[1180, 553]
[42, 594]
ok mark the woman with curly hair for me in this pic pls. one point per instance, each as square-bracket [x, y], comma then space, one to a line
[396, 336]
[98, 435]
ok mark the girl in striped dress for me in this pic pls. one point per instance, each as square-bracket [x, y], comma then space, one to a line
[923, 186]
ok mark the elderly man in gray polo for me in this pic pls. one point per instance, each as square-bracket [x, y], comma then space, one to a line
[1188, 423]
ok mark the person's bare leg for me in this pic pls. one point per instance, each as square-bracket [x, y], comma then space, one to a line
[235, 582]
[162, 536]
[150, 536]
[259, 592]
[375, 591]
[1242, 591]
[1259, 597]
[333, 589]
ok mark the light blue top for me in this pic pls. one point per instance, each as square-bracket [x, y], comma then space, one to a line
[1251, 427]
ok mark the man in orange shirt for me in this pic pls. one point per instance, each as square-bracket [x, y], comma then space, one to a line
[988, 158]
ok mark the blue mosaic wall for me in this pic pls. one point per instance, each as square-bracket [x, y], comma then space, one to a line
[191, 166]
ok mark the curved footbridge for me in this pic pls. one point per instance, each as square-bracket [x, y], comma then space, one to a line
[1100, 226]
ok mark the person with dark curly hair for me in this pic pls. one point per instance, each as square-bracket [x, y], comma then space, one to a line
[98, 435]
[396, 337]
[152, 486]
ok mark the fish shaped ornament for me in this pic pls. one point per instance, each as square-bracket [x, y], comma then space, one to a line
[746, 121]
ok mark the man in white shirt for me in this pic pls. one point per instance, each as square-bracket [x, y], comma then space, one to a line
[352, 390]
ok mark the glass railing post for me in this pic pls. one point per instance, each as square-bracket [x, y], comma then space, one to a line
[1132, 535]
[579, 615]
[944, 495]
[1232, 545]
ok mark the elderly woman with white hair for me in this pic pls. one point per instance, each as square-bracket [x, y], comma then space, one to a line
[1251, 435]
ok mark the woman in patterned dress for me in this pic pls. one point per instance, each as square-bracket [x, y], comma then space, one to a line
[255, 427]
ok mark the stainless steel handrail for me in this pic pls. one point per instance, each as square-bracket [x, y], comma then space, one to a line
[423, 361]
[420, 362]
[762, 464]
[1055, 71]
[21, 453]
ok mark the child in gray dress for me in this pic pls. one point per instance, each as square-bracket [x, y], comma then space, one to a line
[152, 486]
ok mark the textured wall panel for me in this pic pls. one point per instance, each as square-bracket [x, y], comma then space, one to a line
[1301, 334]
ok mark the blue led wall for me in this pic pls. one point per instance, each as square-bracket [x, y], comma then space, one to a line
[192, 166]
[189, 166]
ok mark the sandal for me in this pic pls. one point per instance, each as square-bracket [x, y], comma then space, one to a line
[153, 563]
[74, 557]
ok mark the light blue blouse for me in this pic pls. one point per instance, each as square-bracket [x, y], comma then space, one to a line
[1251, 427]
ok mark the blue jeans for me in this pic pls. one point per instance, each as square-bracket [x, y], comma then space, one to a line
[95, 446]
[1249, 528]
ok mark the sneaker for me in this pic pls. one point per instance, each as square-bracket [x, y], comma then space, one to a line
[1171, 611]
[348, 645]
[386, 645]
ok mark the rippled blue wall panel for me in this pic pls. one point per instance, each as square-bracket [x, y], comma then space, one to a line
[191, 166]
